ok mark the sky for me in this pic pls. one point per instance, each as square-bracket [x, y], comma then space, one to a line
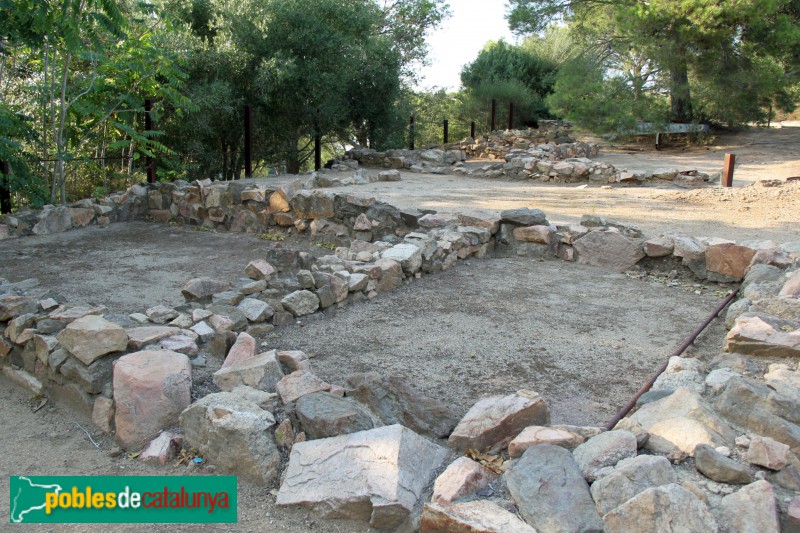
[461, 37]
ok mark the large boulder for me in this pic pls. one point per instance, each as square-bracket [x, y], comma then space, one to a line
[659, 509]
[376, 475]
[681, 421]
[91, 337]
[151, 389]
[232, 432]
[629, 478]
[394, 401]
[322, 414]
[760, 409]
[494, 419]
[728, 261]
[608, 249]
[551, 493]
[751, 509]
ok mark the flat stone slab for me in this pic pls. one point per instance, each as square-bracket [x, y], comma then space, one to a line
[761, 335]
[376, 475]
[138, 337]
[608, 249]
[479, 516]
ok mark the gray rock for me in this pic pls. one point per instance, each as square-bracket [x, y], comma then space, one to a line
[394, 401]
[91, 337]
[551, 493]
[161, 314]
[608, 249]
[376, 475]
[322, 414]
[524, 216]
[660, 509]
[760, 410]
[256, 310]
[751, 509]
[232, 433]
[261, 372]
[717, 467]
[92, 378]
[681, 421]
[494, 419]
[629, 478]
[301, 303]
[408, 255]
[202, 289]
[606, 449]
[682, 372]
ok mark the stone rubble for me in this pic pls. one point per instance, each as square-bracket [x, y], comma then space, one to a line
[724, 423]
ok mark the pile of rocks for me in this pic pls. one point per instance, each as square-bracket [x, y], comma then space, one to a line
[678, 459]
[430, 160]
[324, 179]
[497, 144]
[117, 207]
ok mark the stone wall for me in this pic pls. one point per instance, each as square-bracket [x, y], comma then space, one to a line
[134, 378]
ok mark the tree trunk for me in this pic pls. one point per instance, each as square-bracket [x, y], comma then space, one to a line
[679, 93]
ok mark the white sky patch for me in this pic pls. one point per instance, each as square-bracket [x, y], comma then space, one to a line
[472, 24]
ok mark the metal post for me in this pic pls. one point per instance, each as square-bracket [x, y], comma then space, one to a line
[446, 132]
[511, 115]
[317, 152]
[472, 130]
[248, 141]
[5, 188]
[411, 133]
[727, 170]
[148, 125]
[494, 114]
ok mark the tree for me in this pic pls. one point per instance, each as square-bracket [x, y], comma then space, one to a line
[511, 73]
[678, 39]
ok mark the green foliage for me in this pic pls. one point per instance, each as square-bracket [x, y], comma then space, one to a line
[727, 61]
[511, 73]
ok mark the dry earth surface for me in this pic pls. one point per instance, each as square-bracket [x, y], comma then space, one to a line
[586, 339]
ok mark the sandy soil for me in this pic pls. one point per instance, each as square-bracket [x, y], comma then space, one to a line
[490, 326]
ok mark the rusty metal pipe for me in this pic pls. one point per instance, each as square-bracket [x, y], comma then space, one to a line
[625, 410]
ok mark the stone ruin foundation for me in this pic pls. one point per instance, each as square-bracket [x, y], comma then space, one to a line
[713, 447]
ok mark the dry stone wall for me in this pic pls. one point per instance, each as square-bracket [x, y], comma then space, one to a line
[710, 448]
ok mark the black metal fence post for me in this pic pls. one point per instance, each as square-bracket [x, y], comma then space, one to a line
[411, 132]
[248, 141]
[494, 114]
[148, 125]
[511, 115]
[317, 151]
[446, 126]
[5, 188]
[472, 129]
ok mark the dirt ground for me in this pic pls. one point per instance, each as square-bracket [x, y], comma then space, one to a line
[745, 212]
[584, 338]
